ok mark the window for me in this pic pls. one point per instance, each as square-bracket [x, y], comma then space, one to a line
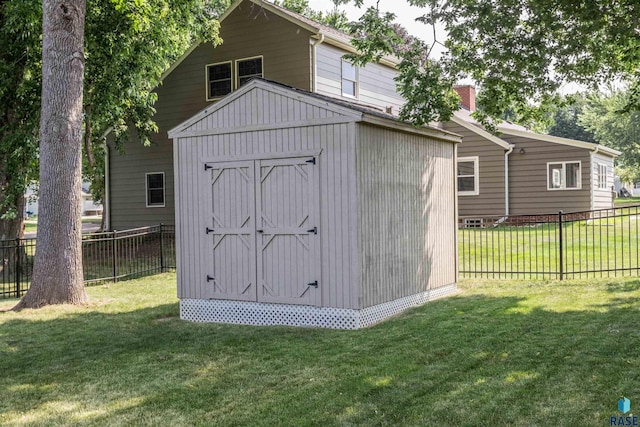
[155, 189]
[468, 176]
[636, 184]
[218, 80]
[248, 68]
[602, 176]
[563, 176]
[349, 79]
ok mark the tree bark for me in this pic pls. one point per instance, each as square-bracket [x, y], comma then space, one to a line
[57, 271]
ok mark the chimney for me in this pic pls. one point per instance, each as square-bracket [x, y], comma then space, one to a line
[468, 95]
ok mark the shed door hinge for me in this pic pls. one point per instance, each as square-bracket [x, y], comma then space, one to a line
[209, 230]
[314, 284]
[207, 167]
[314, 230]
[210, 279]
[312, 161]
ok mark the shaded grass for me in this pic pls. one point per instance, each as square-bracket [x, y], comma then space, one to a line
[522, 353]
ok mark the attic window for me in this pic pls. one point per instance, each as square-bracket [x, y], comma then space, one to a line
[349, 79]
[218, 80]
[248, 69]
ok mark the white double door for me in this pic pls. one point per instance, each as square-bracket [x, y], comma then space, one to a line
[262, 230]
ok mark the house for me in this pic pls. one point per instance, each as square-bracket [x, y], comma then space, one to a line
[517, 172]
[308, 210]
[523, 172]
[260, 40]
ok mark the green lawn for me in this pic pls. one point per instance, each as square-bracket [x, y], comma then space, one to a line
[510, 353]
[589, 246]
[621, 201]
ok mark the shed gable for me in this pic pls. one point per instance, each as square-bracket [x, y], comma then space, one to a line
[259, 106]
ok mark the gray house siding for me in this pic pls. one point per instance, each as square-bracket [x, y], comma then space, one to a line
[601, 198]
[528, 191]
[490, 200]
[246, 32]
[406, 206]
[376, 85]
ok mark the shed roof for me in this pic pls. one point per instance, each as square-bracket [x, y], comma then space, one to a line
[353, 111]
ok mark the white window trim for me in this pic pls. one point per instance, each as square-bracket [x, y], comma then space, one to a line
[356, 81]
[602, 169]
[235, 73]
[146, 189]
[206, 79]
[476, 176]
[563, 182]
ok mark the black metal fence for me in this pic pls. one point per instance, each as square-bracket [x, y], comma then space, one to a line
[600, 243]
[105, 256]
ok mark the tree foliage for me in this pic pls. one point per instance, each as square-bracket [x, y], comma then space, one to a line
[20, 82]
[567, 120]
[128, 45]
[521, 52]
[334, 18]
[606, 116]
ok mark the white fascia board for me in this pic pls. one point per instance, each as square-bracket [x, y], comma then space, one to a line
[483, 133]
[564, 141]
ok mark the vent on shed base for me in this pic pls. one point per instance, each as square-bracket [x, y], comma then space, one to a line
[255, 313]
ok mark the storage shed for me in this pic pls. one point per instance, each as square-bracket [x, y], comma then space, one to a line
[293, 208]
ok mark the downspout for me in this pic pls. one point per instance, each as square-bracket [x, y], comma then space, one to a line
[506, 178]
[314, 78]
[106, 203]
[592, 194]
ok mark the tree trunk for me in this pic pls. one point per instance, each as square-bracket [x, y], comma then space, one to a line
[57, 273]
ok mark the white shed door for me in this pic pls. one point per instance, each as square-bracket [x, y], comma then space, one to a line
[230, 231]
[287, 198]
[262, 241]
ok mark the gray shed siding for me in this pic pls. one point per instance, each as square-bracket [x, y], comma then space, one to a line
[336, 162]
[528, 191]
[376, 84]
[406, 206]
[490, 200]
[246, 32]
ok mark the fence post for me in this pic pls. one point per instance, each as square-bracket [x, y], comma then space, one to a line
[561, 260]
[161, 251]
[115, 256]
[17, 267]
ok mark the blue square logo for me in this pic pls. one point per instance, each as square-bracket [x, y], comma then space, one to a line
[624, 405]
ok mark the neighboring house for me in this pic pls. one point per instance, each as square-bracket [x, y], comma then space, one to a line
[523, 172]
[312, 212]
[260, 40]
[89, 207]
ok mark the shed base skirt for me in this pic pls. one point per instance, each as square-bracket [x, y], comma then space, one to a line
[255, 313]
